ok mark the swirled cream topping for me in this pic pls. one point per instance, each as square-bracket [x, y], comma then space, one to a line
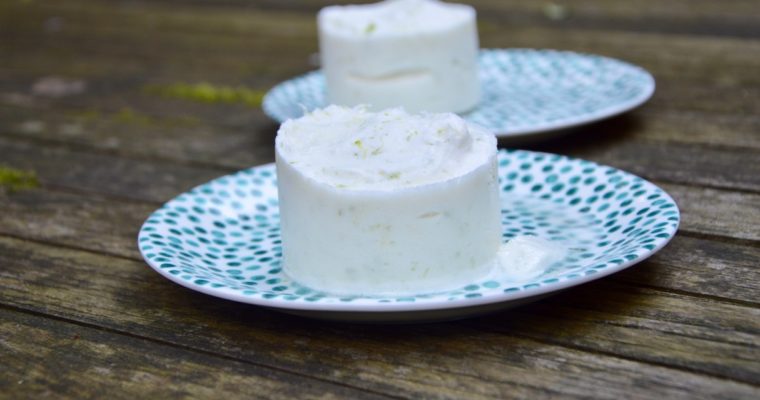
[352, 148]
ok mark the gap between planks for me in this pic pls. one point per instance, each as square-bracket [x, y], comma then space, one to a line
[664, 290]
[590, 350]
[611, 277]
[576, 17]
[466, 324]
[227, 169]
[584, 319]
[180, 346]
[717, 238]
[55, 187]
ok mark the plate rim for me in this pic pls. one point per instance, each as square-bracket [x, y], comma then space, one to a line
[649, 88]
[402, 307]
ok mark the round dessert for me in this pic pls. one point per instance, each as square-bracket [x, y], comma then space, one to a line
[418, 54]
[388, 202]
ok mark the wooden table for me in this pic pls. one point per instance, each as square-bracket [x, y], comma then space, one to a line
[100, 99]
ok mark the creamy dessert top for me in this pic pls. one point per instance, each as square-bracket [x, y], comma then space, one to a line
[352, 148]
[394, 18]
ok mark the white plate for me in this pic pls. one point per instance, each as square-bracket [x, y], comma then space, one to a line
[525, 92]
[222, 238]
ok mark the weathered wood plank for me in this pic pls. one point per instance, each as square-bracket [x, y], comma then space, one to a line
[158, 181]
[717, 212]
[108, 78]
[46, 358]
[130, 40]
[737, 19]
[726, 100]
[248, 62]
[674, 331]
[442, 360]
[698, 128]
[603, 339]
[190, 139]
[106, 174]
[134, 134]
[693, 164]
[706, 267]
[720, 167]
[730, 96]
[701, 266]
[741, 100]
[677, 9]
[685, 163]
[168, 40]
[86, 221]
[123, 118]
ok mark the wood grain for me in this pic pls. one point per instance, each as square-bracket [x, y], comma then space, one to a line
[139, 135]
[702, 266]
[695, 164]
[47, 358]
[237, 40]
[138, 179]
[730, 168]
[86, 221]
[718, 341]
[130, 132]
[158, 181]
[423, 360]
[736, 217]
[82, 316]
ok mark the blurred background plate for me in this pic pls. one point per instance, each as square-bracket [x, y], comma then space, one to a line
[526, 92]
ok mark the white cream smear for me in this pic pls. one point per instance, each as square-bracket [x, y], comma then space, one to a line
[419, 54]
[387, 203]
[526, 257]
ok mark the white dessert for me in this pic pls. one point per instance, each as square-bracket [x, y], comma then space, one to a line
[417, 54]
[386, 203]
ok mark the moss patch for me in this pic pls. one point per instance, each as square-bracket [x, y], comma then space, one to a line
[85, 115]
[12, 179]
[129, 116]
[208, 93]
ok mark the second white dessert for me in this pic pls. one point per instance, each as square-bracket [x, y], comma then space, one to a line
[418, 54]
[386, 203]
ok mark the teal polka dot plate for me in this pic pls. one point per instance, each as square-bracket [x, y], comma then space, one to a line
[223, 238]
[525, 92]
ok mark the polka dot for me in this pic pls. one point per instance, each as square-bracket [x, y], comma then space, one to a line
[225, 237]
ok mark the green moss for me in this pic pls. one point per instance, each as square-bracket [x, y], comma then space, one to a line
[208, 93]
[129, 116]
[85, 115]
[12, 179]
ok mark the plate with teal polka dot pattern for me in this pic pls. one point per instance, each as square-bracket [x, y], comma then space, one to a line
[524, 91]
[223, 238]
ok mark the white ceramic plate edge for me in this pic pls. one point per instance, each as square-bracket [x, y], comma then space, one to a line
[411, 307]
[537, 129]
